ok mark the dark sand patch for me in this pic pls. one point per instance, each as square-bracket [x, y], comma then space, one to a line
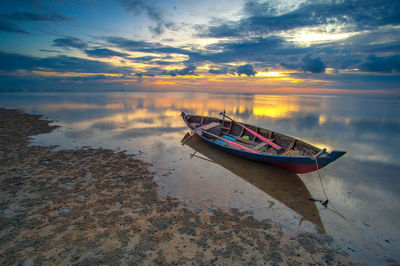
[96, 206]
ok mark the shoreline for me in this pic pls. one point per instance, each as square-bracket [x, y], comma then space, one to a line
[98, 206]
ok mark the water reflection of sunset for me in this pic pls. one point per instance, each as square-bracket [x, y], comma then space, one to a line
[275, 106]
[201, 106]
[277, 111]
[272, 106]
[258, 105]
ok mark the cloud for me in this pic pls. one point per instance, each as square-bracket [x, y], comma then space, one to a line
[131, 45]
[381, 64]
[222, 31]
[367, 81]
[267, 52]
[8, 26]
[144, 74]
[69, 42]
[313, 65]
[11, 62]
[249, 42]
[104, 53]
[148, 47]
[226, 52]
[163, 63]
[247, 70]
[61, 83]
[308, 64]
[216, 70]
[366, 42]
[74, 64]
[269, 49]
[159, 60]
[263, 18]
[27, 16]
[153, 11]
[92, 78]
[143, 58]
[49, 51]
[181, 72]
[150, 72]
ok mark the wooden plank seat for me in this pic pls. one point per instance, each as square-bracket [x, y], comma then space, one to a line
[209, 127]
[260, 145]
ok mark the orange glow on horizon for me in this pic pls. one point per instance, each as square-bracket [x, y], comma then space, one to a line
[273, 82]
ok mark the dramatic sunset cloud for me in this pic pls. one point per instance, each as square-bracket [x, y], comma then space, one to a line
[313, 46]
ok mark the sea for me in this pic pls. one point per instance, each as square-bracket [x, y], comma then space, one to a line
[363, 213]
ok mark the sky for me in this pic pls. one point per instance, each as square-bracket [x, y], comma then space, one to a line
[249, 46]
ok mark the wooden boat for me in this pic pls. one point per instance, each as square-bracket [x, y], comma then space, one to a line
[285, 187]
[259, 144]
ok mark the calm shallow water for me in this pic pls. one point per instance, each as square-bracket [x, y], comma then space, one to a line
[362, 186]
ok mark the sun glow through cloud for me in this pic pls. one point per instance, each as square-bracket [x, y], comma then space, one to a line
[269, 74]
[314, 35]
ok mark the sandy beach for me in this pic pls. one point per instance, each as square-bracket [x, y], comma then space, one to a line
[96, 206]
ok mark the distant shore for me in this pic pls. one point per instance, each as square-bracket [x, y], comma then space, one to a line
[97, 206]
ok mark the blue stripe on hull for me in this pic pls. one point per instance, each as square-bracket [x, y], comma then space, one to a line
[293, 164]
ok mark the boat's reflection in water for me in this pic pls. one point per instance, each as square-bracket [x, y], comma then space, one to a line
[286, 187]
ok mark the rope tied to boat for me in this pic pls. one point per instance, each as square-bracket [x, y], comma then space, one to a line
[326, 201]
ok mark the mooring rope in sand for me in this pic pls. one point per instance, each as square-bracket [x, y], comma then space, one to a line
[325, 202]
[335, 210]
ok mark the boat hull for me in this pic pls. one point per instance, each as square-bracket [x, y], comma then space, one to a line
[295, 164]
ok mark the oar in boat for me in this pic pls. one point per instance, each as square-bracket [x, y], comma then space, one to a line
[276, 146]
[230, 142]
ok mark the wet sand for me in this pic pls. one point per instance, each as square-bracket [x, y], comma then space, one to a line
[96, 206]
